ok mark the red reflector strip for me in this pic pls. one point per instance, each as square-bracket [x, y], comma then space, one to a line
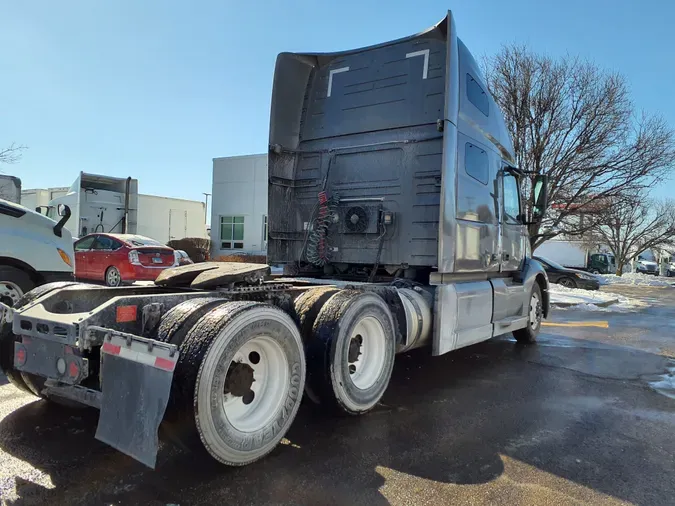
[139, 356]
[111, 348]
[166, 364]
[126, 314]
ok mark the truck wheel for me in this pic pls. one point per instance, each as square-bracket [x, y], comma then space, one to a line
[113, 278]
[595, 271]
[534, 317]
[350, 355]
[178, 321]
[29, 383]
[238, 382]
[7, 358]
[39, 291]
[13, 284]
[307, 306]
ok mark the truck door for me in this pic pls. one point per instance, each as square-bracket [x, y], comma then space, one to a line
[513, 230]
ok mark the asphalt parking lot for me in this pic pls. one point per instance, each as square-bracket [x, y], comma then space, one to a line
[585, 416]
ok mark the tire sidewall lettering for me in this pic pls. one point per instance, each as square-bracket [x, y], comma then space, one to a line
[232, 437]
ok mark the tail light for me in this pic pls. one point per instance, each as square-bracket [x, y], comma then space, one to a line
[133, 257]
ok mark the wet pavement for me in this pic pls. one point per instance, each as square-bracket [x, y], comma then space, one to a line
[585, 416]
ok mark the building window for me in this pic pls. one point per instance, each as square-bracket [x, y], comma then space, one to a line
[477, 95]
[231, 232]
[264, 230]
[476, 163]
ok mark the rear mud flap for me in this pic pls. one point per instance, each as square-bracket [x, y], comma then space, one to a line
[136, 383]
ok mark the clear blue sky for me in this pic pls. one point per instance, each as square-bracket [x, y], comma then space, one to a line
[156, 89]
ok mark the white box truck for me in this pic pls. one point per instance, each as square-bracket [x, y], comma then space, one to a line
[573, 255]
[398, 211]
[113, 205]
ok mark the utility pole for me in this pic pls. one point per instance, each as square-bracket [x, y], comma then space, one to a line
[206, 209]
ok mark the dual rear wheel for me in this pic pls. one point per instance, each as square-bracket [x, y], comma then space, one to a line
[241, 373]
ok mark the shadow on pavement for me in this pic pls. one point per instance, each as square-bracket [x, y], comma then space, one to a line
[570, 408]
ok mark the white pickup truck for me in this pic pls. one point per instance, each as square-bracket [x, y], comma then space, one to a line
[34, 250]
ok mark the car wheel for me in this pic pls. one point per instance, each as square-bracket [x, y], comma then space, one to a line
[567, 282]
[113, 277]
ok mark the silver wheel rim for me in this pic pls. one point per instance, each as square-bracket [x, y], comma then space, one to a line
[535, 310]
[10, 293]
[367, 368]
[257, 408]
[113, 277]
[566, 282]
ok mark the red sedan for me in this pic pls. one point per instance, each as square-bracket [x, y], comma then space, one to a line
[121, 258]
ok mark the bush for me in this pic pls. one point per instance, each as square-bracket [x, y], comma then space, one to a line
[198, 249]
[242, 258]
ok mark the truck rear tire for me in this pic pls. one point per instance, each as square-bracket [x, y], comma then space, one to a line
[307, 306]
[238, 382]
[29, 383]
[7, 338]
[350, 355]
[178, 321]
[7, 358]
[534, 317]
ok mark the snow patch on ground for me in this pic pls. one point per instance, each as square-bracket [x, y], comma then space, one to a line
[666, 385]
[634, 278]
[587, 300]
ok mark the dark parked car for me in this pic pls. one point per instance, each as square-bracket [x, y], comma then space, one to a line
[570, 278]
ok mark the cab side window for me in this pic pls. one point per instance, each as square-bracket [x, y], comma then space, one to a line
[511, 200]
[477, 164]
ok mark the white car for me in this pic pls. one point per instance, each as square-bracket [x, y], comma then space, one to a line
[647, 267]
[670, 270]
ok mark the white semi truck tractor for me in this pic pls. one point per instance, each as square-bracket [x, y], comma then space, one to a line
[395, 207]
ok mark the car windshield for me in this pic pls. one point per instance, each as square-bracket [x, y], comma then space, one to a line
[551, 263]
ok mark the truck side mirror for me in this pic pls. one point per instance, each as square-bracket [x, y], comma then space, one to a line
[540, 197]
[58, 228]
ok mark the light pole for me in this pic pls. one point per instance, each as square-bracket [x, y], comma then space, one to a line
[206, 209]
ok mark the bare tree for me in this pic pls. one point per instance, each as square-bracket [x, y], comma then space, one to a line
[11, 154]
[576, 123]
[635, 224]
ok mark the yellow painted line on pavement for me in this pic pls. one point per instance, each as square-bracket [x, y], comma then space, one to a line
[600, 324]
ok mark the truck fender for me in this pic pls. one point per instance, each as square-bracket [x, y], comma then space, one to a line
[531, 273]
